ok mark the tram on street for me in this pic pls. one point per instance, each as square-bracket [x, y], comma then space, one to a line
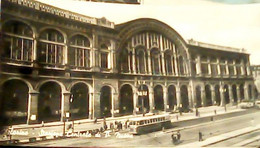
[149, 124]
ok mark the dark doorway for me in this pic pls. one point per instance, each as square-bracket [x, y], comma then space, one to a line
[234, 92]
[208, 95]
[172, 97]
[126, 100]
[49, 104]
[14, 102]
[184, 98]
[242, 94]
[217, 93]
[198, 96]
[79, 101]
[158, 98]
[226, 94]
[105, 101]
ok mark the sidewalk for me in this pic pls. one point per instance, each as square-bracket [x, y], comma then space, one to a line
[222, 137]
[36, 130]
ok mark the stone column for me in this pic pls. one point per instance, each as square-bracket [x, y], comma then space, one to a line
[32, 116]
[231, 97]
[235, 67]
[238, 94]
[115, 105]
[165, 100]
[151, 100]
[149, 62]
[218, 67]
[246, 91]
[133, 61]
[209, 67]
[213, 95]
[227, 70]
[176, 65]
[222, 96]
[190, 97]
[135, 99]
[178, 96]
[96, 107]
[163, 64]
[91, 106]
[95, 53]
[65, 105]
[129, 63]
[198, 65]
[203, 96]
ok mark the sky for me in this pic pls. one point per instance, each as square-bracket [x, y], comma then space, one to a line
[232, 23]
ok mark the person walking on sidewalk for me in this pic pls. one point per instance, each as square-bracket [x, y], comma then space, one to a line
[178, 135]
[200, 136]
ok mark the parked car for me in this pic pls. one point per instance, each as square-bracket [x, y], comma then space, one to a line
[245, 104]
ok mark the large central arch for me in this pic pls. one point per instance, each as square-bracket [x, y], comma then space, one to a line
[152, 34]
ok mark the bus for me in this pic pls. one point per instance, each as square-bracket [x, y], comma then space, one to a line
[149, 124]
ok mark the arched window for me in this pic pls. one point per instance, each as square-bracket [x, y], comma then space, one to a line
[155, 59]
[181, 65]
[104, 53]
[124, 58]
[51, 47]
[168, 62]
[223, 66]
[140, 61]
[18, 41]
[79, 52]
[204, 65]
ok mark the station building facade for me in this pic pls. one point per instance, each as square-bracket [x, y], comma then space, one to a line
[56, 64]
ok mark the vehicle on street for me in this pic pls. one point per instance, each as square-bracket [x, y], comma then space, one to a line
[149, 124]
[246, 104]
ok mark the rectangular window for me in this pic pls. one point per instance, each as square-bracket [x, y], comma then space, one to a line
[104, 60]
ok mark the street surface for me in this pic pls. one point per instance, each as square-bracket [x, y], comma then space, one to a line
[160, 138]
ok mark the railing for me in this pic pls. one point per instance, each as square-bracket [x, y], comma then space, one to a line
[218, 47]
[62, 13]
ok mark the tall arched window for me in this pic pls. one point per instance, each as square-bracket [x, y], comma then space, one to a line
[168, 62]
[140, 60]
[79, 52]
[181, 65]
[51, 47]
[155, 59]
[18, 41]
[124, 59]
[104, 53]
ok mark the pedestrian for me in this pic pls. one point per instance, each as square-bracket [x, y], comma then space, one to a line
[125, 125]
[95, 120]
[101, 129]
[111, 126]
[178, 135]
[177, 118]
[197, 112]
[200, 136]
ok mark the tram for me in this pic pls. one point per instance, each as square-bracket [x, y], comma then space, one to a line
[149, 124]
